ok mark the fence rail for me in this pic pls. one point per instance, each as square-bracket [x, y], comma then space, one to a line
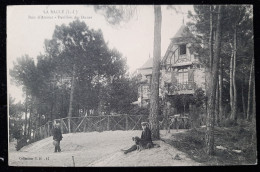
[90, 124]
[96, 123]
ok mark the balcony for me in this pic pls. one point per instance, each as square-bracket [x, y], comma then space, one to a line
[181, 88]
[182, 60]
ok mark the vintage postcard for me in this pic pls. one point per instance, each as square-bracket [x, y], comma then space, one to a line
[131, 85]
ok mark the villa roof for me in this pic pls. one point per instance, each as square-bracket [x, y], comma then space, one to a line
[147, 64]
[183, 32]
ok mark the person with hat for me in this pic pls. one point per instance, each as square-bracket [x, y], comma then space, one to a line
[146, 137]
[57, 136]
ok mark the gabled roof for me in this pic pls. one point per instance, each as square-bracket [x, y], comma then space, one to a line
[182, 35]
[183, 32]
[147, 64]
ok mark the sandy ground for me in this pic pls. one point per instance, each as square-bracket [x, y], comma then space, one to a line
[97, 149]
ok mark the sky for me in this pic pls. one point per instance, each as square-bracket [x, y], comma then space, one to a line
[29, 25]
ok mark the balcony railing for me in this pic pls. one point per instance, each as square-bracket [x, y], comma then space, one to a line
[181, 88]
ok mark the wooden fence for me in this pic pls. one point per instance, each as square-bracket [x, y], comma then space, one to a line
[91, 123]
[103, 123]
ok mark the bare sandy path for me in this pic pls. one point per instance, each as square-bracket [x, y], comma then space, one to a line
[97, 149]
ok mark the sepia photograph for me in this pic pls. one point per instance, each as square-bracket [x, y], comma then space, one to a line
[131, 85]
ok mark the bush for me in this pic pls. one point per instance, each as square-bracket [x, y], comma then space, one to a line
[21, 143]
[237, 136]
[228, 123]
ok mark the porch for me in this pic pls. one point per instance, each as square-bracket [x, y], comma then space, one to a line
[181, 88]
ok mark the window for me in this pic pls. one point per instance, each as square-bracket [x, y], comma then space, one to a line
[182, 76]
[146, 91]
[182, 49]
[149, 78]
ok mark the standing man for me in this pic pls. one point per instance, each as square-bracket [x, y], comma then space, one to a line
[57, 136]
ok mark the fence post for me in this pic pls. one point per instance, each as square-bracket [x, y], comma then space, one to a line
[44, 131]
[85, 122]
[48, 129]
[126, 122]
[108, 123]
[33, 135]
[36, 133]
[69, 125]
[61, 126]
[41, 132]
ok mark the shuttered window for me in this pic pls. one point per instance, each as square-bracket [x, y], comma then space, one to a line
[174, 77]
[191, 75]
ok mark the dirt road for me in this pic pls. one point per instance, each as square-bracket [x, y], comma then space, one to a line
[97, 149]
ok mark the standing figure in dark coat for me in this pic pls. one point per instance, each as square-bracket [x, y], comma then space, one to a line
[146, 137]
[57, 136]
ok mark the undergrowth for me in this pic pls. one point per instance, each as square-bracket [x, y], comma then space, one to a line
[237, 137]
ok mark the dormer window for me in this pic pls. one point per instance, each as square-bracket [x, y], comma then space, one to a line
[182, 49]
[149, 78]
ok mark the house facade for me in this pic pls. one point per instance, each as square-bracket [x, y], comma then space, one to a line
[145, 84]
[180, 74]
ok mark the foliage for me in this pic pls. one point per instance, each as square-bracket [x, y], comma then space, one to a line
[116, 14]
[199, 25]
[96, 64]
[101, 76]
[197, 99]
[136, 110]
[119, 95]
[237, 137]
[15, 118]
[24, 73]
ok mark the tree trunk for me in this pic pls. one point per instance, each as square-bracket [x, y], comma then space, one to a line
[99, 108]
[234, 108]
[209, 69]
[154, 99]
[231, 84]
[243, 101]
[220, 90]
[25, 126]
[254, 136]
[254, 103]
[213, 84]
[207, 83]
[52, 103]
[30, 121]
[54, 116]
[217, 104]
[249, 90]
[184, 103]
[211, 40]
[37, 122]
[72, 96]
[165, 114]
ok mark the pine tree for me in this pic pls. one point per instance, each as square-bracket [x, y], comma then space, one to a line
[154, 98]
